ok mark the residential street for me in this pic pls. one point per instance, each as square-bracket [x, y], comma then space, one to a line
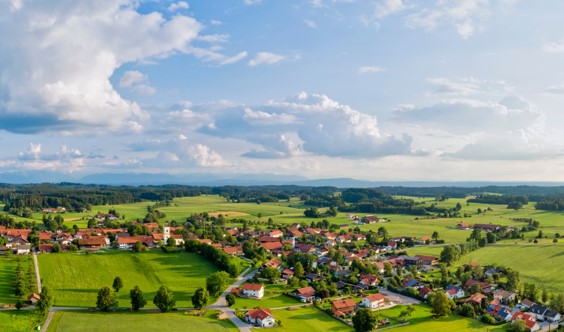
[221, 303]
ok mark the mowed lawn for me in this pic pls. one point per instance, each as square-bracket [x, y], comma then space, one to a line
[273, 298]
[16, 321]
[77, 278]
[67, 321]
[307, 319]
[421, 320]
[540, 263]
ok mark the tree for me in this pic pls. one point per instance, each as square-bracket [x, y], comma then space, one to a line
[270, 273]
[106, 299]
[450, 254]
[467, 310]
[137, 299]
[171, 242]
[512, 280]
[441, 304]
[298, 270]
[388, 269]
[364, 320]
[200, 298]
[19, 304]
[517, 325]
[138, 247]
[118, 284]
[216, 282]
[46, 300]
[557, 302]
[435, 236]
[164, 299]
[407, 312]
[230, 298]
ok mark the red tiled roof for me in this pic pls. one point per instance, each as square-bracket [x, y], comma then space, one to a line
[376, 297]
[253, 287]
[344, 304]
[259, 313]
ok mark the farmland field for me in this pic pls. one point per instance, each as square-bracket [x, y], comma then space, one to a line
[536, 262]
[19, 321]
[64, 321]
[77, 278]
[307, 319]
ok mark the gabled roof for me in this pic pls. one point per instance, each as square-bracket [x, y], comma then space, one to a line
[375, 297]
[260, 313]
[252, 287]
[306, 291]
[343, 304]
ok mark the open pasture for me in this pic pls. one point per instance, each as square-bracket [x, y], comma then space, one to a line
[64, 321]
[77, 278]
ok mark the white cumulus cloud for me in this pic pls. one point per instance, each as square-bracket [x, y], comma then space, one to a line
[58, 58]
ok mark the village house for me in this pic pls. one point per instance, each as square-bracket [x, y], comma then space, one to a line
[476, 299]
[261, 317]
[276, 233]
[487, 227]
[369, 280]
[33, 298]
[374, 301]
[530, 321]
[253, 290]
[454, 292]
[503, 296]
[287, 274]
[428, 260]
[305, 294]
[343, 307]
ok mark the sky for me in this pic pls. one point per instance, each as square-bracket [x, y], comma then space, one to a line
[384, 90]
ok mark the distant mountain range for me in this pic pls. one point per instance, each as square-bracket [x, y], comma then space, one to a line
[203, 179]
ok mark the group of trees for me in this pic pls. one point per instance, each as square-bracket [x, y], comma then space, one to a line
[107, 300]
[315, 213]
[25, 281]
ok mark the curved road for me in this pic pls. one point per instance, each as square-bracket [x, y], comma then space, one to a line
[221, 303]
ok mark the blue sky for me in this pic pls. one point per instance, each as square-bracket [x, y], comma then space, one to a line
[449, 90]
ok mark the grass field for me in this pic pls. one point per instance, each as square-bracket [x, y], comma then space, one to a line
[421, 320]
[540, 263]
[273, 298]
[16, 321]
[64, 321]
[77, 278]
[307, 319]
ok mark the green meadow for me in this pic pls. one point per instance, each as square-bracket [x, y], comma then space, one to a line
[273, 298]
[306, 319]
[19, 321]
[67, 321]
[76, 278]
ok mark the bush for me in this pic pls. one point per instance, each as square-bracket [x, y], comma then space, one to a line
[488, 319]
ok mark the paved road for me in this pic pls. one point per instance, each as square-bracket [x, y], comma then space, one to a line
[221, 303]
[37, 272]
[398, 298]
